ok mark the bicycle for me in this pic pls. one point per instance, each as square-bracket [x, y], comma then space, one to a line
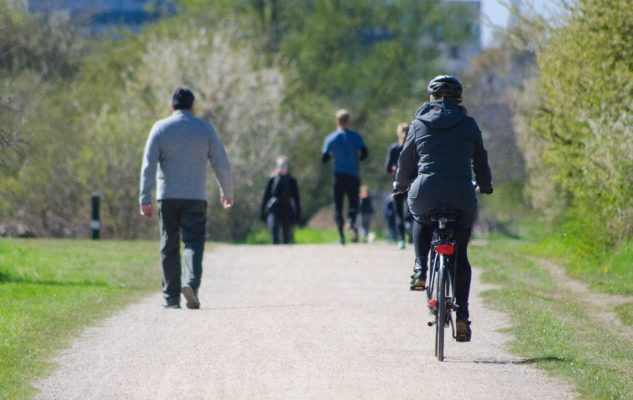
[441, 289]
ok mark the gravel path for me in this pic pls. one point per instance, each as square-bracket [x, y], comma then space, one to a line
[301, 322]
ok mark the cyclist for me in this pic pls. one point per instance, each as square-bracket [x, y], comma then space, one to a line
[445, 145]
[280, 207]
[348, 148]
[391, 165]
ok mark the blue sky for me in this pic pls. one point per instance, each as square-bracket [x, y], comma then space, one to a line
[497, 14]
[494, 12]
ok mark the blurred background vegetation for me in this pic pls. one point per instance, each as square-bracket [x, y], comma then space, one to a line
[552, 95]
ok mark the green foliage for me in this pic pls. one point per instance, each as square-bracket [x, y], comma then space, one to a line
[586, 256]
[586, 87]
[507, 205]
[268, 74]
[51, 289]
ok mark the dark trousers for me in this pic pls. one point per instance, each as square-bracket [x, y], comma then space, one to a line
[398, 201]
[186, 219]
[345, 186]
[422, 236]
[281, 223]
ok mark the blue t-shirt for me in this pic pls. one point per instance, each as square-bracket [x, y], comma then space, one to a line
[344, 146]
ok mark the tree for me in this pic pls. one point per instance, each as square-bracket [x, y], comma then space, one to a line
[585, 83]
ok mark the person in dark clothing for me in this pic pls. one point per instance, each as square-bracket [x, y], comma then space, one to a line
[280, 207]
[391, 165]
[445, 146]
[348, 149]
[389, 214]
[366, 210]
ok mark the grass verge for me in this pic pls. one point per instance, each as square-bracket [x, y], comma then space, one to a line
[301, 236]
[625, 313]
[552, 327]
[606, 270]
[50, 289]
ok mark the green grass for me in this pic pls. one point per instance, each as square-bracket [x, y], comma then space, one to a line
[606, 270]
[50, 289]
[301, 236]
[625, 313]
[552, 327]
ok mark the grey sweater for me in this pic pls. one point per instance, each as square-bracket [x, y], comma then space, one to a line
[180, 146]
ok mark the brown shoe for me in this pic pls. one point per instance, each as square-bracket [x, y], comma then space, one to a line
[418, 279]
[462, 331]
[417, 284]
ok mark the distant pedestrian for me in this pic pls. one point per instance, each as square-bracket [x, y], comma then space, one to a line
[389, 214]
[366, 210]
[176, 155]
[280, 207]
[391, 165]
[348, 149]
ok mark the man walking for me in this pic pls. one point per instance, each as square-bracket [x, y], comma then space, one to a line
[180, 146]
[348, 149]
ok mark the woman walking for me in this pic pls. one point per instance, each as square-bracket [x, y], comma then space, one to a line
[391, 165]
[280, 207]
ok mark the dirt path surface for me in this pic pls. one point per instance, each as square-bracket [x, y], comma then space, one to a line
[302, 322]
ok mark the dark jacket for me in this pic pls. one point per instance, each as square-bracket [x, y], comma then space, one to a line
[366, 206]
[281, 197]
[392, 157]
[445, 146]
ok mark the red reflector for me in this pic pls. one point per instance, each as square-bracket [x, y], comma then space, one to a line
[433, 304]
[445, 249]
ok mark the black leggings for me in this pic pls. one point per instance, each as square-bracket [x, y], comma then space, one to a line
[422, 235]
[277, 223]
[345, 185]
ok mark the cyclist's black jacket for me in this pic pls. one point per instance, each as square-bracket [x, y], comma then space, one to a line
[445, 146]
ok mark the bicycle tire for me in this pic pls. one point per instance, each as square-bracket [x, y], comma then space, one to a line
[441, 309]
[432, 287]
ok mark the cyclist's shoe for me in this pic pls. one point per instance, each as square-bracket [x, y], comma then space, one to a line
[341, 240]
[462, 331]
[192, 299]
[401, 244]
[171, 303]
[418, 279]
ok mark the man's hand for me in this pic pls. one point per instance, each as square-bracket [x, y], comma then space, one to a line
[226, 203]
[147, 210]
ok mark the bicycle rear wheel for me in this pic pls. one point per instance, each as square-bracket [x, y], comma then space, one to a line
[440, 324]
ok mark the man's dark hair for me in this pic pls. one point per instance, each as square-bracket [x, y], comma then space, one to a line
[182, 99]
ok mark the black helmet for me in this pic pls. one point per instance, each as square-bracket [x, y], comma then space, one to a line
[445, 86]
